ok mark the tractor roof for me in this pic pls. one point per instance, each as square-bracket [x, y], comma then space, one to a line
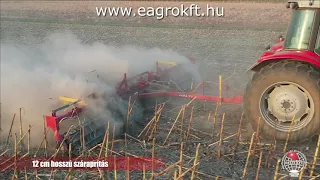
[295, 4]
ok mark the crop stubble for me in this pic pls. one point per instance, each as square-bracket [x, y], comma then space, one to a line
[226, 50]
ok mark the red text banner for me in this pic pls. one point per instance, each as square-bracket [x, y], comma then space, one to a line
[80, 163]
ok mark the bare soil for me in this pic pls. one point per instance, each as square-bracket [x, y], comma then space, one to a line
[224, 46]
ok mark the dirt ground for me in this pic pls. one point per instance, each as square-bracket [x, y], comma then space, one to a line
[224, 46]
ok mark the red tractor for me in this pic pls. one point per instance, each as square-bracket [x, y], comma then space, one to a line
[284, 92]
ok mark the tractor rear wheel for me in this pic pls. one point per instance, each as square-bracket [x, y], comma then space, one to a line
[286, 96]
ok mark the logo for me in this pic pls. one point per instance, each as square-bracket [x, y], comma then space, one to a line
[294, 161]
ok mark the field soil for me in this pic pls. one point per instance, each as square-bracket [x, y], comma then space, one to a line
[225, 46]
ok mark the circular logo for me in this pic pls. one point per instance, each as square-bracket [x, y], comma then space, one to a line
[294, 161]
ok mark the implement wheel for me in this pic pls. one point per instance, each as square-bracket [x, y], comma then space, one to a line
[281, 92]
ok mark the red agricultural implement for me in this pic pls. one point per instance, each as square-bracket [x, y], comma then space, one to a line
[146, 85]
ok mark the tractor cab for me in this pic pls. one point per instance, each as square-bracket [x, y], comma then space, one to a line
[302, 41]
[304, 26]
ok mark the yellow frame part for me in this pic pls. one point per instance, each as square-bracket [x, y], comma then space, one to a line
[167, 62]
[67, 100]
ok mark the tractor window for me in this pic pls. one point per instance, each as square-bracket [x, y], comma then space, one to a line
[300, 29]
[317, 48]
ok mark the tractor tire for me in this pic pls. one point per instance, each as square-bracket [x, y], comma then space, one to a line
[288, 77]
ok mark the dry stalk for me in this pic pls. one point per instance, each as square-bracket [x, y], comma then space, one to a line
[15, 153]
[155, 108]
[301, 174]
[113, 134]
[226, 138]
[259, 165]
[315, 157]
[115, 168]
[154, 130]
[153, 155]
[83, 139]
[21, 131]
[157, 117]
[286, 144]
[29, 138]
[125, 145]
[8, 160]
[150, 122]
[199, 131]
[277, 169]
[3, 153]
[45, 136]
[37, 174]
[173, 125]
[209, 116]
[25, 173]
[168, 168]
[268, 157]
[128, 114]
[238, 138]
[52, 173]
[314, 178]
[220, 89]
[193, 174]
[248, 157]
[190, 102]
[190, 122]
[70, 153]
[200, 84]
[60, 145]
[182, 124]
[181, 160]
[177, 128]
[10, 131]
[43, 139]
[215, 119]
[14, 175]
[198, 172]
[107, 140]
[257, 138]
[221, 135]
[21, 139]
[175, 176]
[103, 144]
[192, 82]
[259, 144]
[184, 173]
[272, 148]
[144, 171]
[127, 169]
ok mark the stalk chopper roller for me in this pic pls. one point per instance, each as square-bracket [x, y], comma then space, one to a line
[127, 106]
[284, 92]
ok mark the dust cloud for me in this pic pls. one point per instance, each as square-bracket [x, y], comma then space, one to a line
[34, 76]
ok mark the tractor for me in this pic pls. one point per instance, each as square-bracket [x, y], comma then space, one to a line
[283, 95]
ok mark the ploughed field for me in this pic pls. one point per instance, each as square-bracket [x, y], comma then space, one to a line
[225, 46]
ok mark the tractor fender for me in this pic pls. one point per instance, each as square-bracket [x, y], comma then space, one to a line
[302, 56]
